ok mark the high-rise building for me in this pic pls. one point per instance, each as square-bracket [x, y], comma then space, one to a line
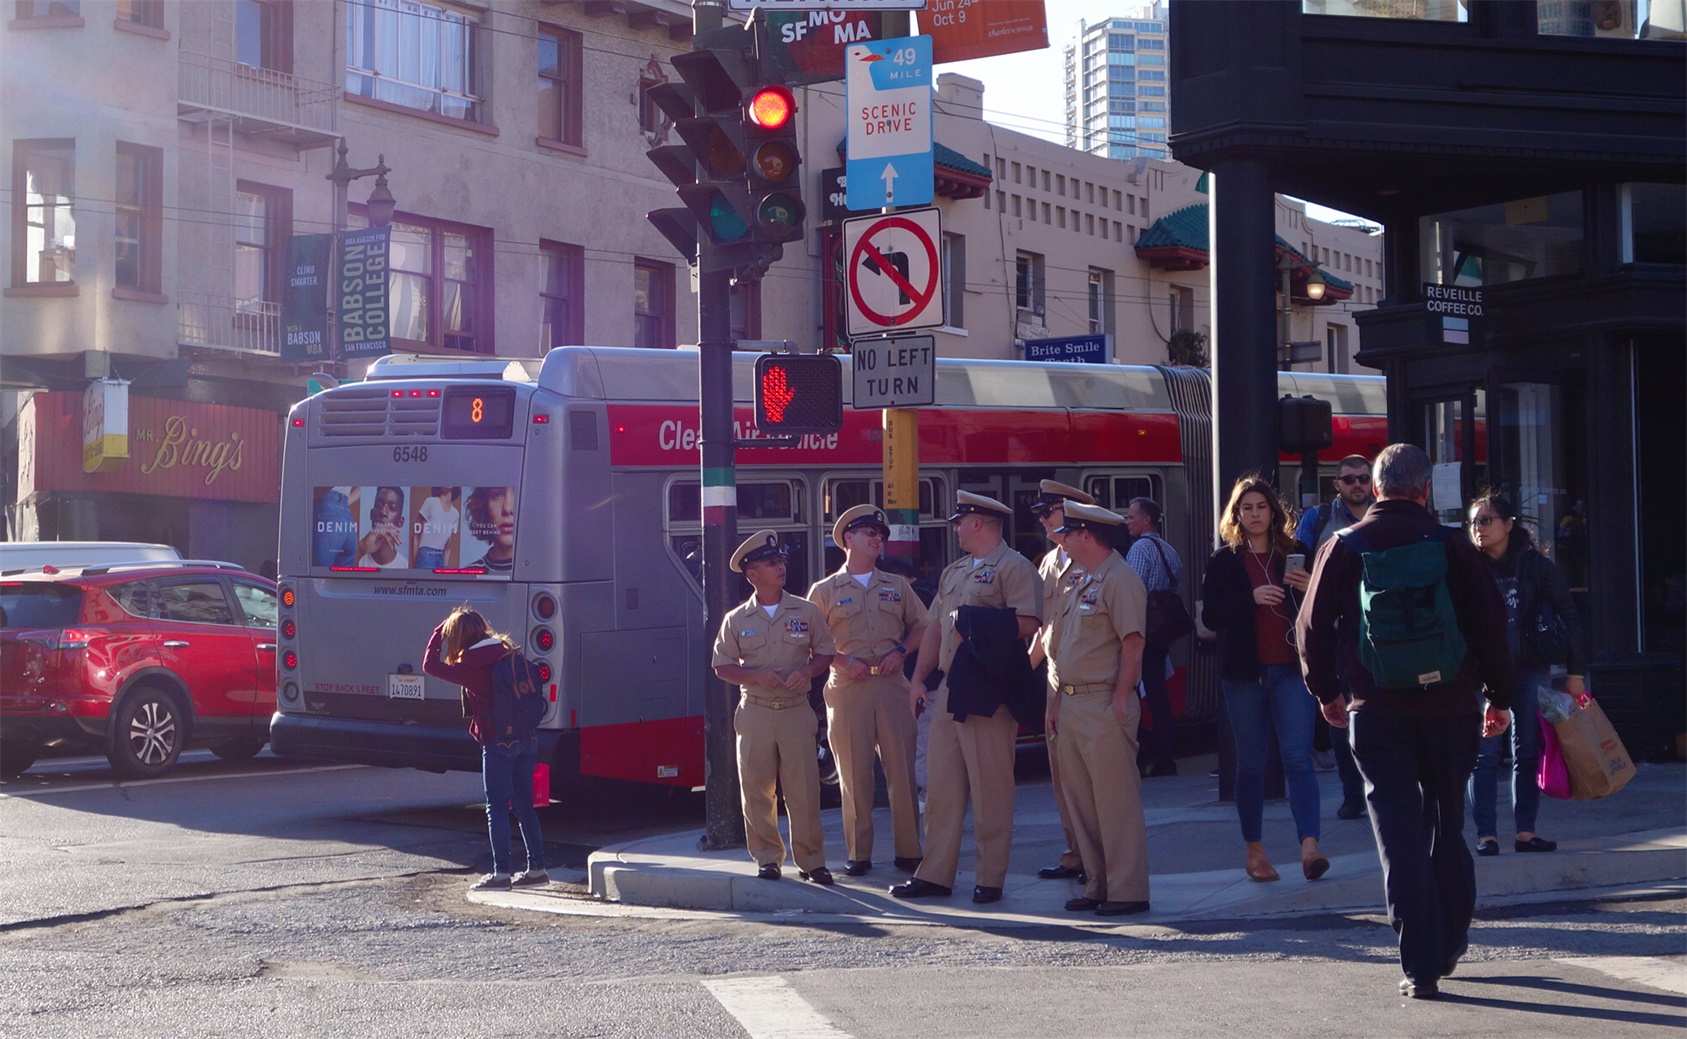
[1116, 97]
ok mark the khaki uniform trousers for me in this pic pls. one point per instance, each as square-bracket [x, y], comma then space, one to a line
[1104, 794]
[776, 746]
[1069, 856]
[861, 716]
[971, 759]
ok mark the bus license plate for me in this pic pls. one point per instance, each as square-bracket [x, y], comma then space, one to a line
[404, 687]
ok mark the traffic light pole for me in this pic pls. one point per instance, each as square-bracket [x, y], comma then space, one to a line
[723, 814]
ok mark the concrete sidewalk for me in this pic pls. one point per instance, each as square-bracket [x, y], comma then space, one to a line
[1636, 839]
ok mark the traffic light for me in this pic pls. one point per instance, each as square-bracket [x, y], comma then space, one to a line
[770, 136]
[736, 171]
[799, 393]
[1304, 424]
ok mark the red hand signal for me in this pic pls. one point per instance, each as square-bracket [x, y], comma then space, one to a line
[776, 394]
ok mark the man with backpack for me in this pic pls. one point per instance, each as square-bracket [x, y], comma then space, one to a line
[1404, 608]
[1353, 499]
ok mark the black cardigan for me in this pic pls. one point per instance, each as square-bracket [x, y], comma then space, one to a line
[1227, 607]
[1540, 582]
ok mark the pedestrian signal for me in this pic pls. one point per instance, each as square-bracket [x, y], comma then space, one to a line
[799, 394]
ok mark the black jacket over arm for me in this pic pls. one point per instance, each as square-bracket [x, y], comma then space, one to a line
[991, 667]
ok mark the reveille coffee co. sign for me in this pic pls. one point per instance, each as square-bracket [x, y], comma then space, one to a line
[176, 448]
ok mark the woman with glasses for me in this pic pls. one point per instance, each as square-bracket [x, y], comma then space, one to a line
[1531, 585]
[1250, 596]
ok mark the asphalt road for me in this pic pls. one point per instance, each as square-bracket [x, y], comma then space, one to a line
[268, 899]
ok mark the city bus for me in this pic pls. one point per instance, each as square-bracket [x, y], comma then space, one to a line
[560, 497]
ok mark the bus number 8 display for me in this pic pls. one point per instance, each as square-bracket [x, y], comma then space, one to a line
[479, 413]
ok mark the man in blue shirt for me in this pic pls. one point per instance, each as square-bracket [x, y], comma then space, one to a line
[1157, 563]
[1352, 501]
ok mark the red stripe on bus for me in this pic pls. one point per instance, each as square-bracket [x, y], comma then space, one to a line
[665, 436]
[644, 751]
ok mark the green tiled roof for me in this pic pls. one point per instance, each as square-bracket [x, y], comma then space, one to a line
[949, 158]
[1323, 272]
[1183, 228]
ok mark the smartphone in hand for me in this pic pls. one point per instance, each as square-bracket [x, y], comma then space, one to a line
[1296, 561]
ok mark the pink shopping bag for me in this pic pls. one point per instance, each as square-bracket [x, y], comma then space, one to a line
[1552, 776]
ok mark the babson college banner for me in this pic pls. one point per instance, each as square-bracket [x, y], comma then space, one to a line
[360, 292]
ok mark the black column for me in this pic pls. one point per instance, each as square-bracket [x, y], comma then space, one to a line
[1244, 323]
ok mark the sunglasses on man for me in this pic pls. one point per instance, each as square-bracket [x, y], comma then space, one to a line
[1352, 478]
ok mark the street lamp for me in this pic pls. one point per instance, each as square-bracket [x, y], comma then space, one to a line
[1287, 264]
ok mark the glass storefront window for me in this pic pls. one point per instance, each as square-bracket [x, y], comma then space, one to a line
[1511, 241]
[1612, 19]
[1413, 10]
[1654, 223]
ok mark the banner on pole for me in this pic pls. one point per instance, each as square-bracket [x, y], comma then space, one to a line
[361, 292]
[304, 299]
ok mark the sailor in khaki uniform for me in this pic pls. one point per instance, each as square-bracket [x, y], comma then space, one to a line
[772, 647]
[972, 758]
[873, 616]
[1058, 573]
[1095, 653]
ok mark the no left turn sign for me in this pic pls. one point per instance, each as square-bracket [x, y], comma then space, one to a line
[893, 272]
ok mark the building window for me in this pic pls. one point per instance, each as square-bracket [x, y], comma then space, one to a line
[559, 85]
[1335, 337]
[652, 121]
[43, 222]
[39, 9]
[417, 55]
[1101, 301]
[262, 223]
[139, 209]
[1182, 308]
[1028, 282]
[263, 34]
[562, 318]
[954, 280]
[141, 12]
[439, 283]
[653, 304]
[745, 306]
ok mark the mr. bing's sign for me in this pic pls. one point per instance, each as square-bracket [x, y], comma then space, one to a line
[176, 448]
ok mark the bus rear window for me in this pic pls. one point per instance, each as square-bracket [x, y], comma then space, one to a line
[39, 605]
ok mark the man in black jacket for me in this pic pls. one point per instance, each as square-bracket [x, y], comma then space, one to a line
[1415, 746]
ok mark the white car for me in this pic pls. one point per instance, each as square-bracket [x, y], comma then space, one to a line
[32, 555]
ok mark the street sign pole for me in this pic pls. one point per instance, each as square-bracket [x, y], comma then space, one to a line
[723, 813]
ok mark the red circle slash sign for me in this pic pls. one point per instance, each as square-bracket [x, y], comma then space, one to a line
[918, 297]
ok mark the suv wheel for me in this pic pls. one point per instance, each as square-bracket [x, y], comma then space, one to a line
[239, 749]
[147, 734]
[15, 757]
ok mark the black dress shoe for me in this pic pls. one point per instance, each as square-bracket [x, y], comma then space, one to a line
[1419, 989]
[906, 865]
[818, 875]
[1059, 873]
[985, 895]
[1452, 962]
[1487, 848]
[769, 872]
[1081, 905]
[917, 888]
[1535, 844]
[1351, 808]
[1164, 768]
[1120, 908]
[857, 867]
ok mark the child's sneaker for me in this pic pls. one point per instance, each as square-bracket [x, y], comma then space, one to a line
[530, 878]
[491, 882]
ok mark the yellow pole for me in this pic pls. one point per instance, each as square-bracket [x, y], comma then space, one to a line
[902, 483]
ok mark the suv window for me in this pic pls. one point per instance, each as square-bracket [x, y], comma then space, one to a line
[135, 597]
[258, 604]
[29, 605]
[195, 601]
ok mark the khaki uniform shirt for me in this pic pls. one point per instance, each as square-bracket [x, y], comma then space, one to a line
[1096, 614]
[790, 638]
[867, 623]
[1002, 579]
[1058, 573]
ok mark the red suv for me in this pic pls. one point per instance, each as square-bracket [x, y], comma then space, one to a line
[139, 660]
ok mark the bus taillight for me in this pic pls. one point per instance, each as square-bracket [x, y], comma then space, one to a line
[544, 606]
[290, 660]
[544, 671]
[289, 629]
[288, 597]
[544, 640]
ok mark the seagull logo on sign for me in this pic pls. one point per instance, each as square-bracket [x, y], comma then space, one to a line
[888, 88]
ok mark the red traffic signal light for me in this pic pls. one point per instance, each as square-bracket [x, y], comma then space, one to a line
[799, 393]
[771, 108]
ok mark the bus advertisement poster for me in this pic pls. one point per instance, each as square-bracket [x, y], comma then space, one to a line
[362, 292]
[431, 529]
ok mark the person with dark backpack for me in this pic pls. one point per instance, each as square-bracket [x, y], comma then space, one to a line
[504, 701]
[1160, 568]
[1404, 609]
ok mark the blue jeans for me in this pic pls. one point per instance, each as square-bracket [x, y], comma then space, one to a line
[506, 769]
[333, 539]
[429, 558]
[1525, 736]
[1279, 696]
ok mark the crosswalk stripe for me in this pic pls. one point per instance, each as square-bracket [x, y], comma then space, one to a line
[769, 1008]
[1644, 970]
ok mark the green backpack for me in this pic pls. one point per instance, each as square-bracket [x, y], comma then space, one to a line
[1408, 632]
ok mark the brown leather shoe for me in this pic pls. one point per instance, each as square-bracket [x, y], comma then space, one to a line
[1260, 870]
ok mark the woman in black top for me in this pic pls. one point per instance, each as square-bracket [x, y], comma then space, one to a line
[1250, 597]
[1533, 589]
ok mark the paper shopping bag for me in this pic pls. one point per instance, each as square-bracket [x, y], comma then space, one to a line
[1552, 777]
[1596, 759]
